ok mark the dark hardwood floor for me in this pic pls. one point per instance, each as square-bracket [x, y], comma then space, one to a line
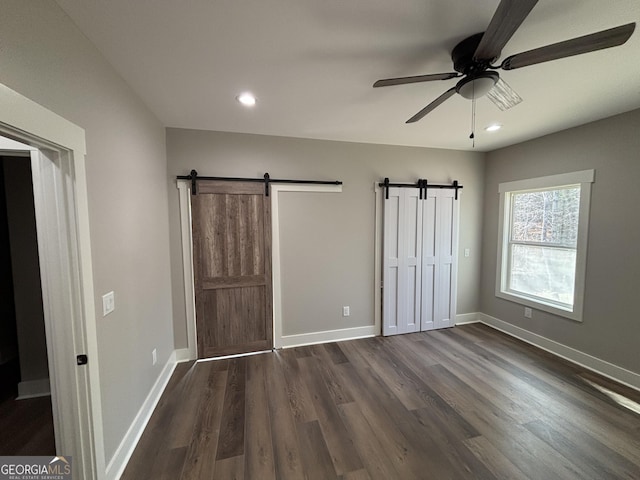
[26, 426]
[461, 403]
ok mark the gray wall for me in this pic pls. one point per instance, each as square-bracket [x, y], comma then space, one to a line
[27, 290]
[47, 59]
[327, 239]
[610, 329]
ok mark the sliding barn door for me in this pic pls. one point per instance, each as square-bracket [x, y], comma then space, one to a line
[232, 268]
[439, 259]
[419, 260]
[402, 261]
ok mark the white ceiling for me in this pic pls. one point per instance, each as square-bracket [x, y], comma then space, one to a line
[312, 63]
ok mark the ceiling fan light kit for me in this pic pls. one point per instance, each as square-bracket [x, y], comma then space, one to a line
[472, 87]
[473, 58]
[503, 96]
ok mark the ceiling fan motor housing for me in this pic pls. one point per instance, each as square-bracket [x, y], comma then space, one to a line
[477, 81]
[462, 56]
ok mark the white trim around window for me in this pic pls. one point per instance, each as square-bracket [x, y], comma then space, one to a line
[584, 179]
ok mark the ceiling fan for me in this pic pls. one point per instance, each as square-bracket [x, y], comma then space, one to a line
[473, 57]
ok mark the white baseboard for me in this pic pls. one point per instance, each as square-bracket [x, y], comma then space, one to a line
[467, 318]
[128, 444]
[328, 336]
[184, 355]
[34, 388]
[609, 370]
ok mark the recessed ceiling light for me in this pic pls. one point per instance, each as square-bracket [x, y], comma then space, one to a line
[493, 128]
[247, 99]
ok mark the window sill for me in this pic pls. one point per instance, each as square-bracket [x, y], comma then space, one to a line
[575, 315]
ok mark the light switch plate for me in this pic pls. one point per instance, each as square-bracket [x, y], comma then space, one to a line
[346, 311]
[108, 303]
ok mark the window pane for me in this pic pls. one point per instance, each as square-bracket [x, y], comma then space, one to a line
[544, 272]
[548, 216]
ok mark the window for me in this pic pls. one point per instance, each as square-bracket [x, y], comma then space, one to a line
[542, 242]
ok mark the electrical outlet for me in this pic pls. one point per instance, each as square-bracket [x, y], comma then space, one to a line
[108, 303]
[467, 252]
[346, 311]
[154, 356]
[527, 312]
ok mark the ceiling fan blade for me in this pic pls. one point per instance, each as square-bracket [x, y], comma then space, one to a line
[576, 46]
[432, 105]
[387, 82]
[506, 20]
[503, 96]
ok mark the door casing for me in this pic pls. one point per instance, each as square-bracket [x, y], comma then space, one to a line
[62, 218]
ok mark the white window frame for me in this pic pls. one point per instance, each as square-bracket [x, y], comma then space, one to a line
[584, 179]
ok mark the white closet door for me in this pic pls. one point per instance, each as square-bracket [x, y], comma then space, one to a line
[402, 261]
[439, 260]
[430, 270]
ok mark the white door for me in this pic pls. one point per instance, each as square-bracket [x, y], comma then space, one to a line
[439, 259]
[402, 261]
[419, 260]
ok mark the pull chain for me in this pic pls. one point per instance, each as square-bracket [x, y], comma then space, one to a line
[473, 116]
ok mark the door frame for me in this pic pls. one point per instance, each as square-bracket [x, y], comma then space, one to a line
[278, 337]
[184, 198]
[377, 252]
[186, 235]
[62, 219]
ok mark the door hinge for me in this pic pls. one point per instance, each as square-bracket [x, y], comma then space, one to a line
[82, 359]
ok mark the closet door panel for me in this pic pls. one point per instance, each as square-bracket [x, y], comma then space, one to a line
[412, 228]
[447, 247]
[444, 301]
[402, 261]
[429, 267]
[391, 303]
[391, 263]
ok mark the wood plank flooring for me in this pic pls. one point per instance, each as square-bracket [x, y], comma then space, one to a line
[461, 403]
[26, 427]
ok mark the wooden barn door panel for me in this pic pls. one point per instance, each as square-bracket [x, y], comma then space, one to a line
[232, 268]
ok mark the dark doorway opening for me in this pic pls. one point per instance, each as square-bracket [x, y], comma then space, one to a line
[26, 421]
